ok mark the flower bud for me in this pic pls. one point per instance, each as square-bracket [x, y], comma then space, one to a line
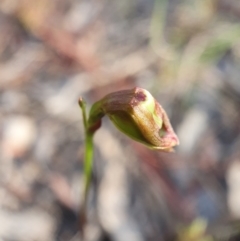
[137, 114]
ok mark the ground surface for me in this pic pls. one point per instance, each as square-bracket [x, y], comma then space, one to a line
[186, 54]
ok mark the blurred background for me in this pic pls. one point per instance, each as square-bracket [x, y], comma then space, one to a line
[186, 53]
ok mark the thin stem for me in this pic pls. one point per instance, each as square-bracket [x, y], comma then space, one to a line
[88, 156]
[88, 159]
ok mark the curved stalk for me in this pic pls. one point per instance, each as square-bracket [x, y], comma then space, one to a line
[88, 159]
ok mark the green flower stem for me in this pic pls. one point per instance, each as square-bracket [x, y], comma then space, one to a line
[88, 159]
[88, 155]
